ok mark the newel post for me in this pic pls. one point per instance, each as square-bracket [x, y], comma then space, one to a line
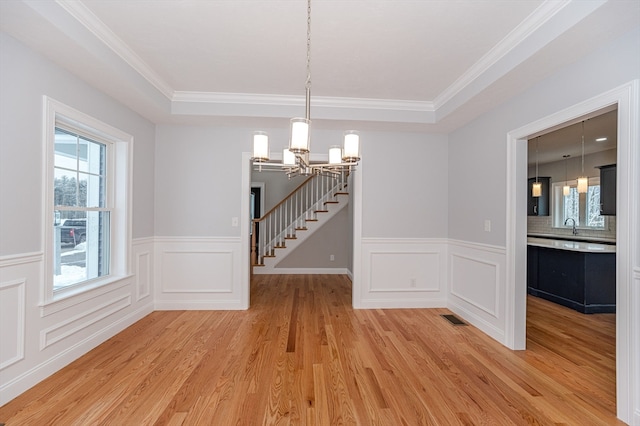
[254, 258]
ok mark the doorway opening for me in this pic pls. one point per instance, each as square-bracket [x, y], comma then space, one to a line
[571, 312]
[627, 234]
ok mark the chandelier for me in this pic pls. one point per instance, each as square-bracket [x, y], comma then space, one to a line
[295, 158]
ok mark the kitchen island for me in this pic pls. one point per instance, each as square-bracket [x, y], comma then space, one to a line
[580, 275]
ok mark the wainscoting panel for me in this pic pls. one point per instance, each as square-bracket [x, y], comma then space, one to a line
[143, 274]
[477, 285]
[206, 271]
[38, 339]
[12, 318]
[198, 273]
[403, 273]
[73, 325]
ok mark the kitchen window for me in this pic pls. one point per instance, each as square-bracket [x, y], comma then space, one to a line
[87, 188]
[584, 209]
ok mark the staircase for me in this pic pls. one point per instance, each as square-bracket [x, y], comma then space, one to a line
[287, 225]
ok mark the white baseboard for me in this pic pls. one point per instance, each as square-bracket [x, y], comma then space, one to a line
[301, 271]
[412, 303]
[199, 305]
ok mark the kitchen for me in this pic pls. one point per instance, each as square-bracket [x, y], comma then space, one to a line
[571, 231]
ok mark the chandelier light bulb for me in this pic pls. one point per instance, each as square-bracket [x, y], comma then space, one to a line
[288, 158]
[299, 142]
[335, 155]
[260, 146]
[351, 149]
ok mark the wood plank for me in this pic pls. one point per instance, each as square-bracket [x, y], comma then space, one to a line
[301, 355]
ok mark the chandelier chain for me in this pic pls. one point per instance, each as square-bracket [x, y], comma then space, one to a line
[308, 83]
[583, 147]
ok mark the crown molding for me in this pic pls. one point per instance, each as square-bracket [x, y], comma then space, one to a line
[91, 22]
[292, 100]
[518, 35]
[544, 24]
[548, 21]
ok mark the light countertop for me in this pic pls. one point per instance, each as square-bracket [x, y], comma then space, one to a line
[571, 245]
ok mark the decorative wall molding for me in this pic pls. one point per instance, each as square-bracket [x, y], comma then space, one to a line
[76, 323]
[84, 297]
[477, 285]
[474, 269]
[19, 383]
[12, 305]
[143, 274]
[21, 259]
[402, 273]
[198, 273]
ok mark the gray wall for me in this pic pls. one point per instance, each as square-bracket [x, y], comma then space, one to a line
[198, 180]
[477, 187]
[333, 238]
[276, 184]
[24, 78]
[404, 185]
[556, 170]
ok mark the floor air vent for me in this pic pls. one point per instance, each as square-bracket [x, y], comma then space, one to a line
[454, 320]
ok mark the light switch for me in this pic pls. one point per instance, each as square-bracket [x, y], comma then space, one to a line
[487, 225]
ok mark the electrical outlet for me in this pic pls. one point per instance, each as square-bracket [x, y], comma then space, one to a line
[332, 258]
[234, 221]
[487, 225]
[413, 282]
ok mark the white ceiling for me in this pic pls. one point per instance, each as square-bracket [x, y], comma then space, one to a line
[567, 138]
[378, 64]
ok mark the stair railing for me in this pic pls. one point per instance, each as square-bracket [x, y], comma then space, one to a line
[292, 213]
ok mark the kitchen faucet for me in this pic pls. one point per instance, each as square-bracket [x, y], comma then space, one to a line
[574, 231]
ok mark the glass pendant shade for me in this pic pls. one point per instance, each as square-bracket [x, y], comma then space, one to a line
[299, 142]
[260, 146]
[566, 190]
[288, 158]
[335, 155]
[583, 185]
[536, 189]
[351, 148]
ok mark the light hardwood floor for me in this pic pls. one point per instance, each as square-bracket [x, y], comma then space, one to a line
[302, 355]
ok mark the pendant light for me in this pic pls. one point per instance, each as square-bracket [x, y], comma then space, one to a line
[583, 181]
[536, 188]
[295, 158]
[566, 189]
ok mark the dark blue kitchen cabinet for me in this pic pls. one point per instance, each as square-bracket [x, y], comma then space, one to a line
[584, 281]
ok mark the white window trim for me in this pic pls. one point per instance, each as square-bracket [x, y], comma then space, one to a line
[119, 167]
[556, 206]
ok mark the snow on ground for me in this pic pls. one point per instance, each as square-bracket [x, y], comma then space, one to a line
[69, 275]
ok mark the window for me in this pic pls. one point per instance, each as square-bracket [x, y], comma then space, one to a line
[81, 237]
[87, 184]
[584, 209]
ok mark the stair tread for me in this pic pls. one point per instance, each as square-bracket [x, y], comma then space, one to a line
[322, 211]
